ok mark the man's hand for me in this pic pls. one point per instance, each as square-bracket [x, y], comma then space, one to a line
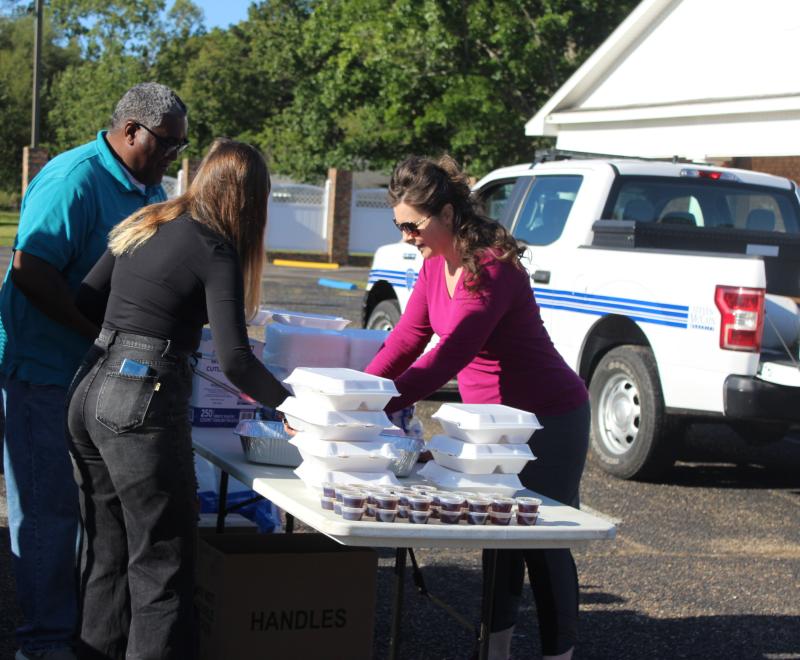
[45, 287]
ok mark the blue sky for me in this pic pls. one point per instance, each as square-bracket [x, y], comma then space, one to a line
[221, 13]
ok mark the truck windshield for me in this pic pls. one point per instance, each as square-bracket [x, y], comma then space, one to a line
[717, 204]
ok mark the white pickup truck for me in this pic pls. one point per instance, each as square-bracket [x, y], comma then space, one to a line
[669, 287]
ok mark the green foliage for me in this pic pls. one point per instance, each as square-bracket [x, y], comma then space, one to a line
[316, 83]
[16, 80]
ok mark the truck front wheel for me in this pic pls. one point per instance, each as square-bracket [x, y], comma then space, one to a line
[629, 436]
[385, 315]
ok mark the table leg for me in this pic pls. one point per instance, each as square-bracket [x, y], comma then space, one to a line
[487, 602]
[397, 613]
[223, 502]
[289, 523]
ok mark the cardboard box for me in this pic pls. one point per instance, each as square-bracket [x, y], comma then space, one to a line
[284, 596]
[211, 404]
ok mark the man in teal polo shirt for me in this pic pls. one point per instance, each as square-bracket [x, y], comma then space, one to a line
[66, 214]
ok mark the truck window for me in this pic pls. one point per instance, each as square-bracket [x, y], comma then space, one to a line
[546, 207]
[495, 199]
[714, 204]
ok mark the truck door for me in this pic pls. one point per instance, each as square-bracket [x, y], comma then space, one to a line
[539, 223]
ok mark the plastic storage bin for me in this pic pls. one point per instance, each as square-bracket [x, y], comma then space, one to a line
[472, 458]
[358, 426]
[374, 456]
[486, 423]
[442, 477]
[363, 345]
[290, 346]
[313, 476]
[307, 319]
[341, 389]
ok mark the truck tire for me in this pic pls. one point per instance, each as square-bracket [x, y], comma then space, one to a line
[630, 430]
[384, 316]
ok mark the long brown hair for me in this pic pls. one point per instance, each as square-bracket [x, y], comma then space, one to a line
[229, 195]
[430, 185]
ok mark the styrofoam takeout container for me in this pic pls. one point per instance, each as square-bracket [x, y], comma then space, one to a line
[291, 346]
[472, 458]
[357, 426]
[333, 388]
[486, 423]
[355, 456]
[313, 476]
[308, 320]
[443, 477]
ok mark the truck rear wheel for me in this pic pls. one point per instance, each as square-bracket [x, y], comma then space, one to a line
[384, 316]
[629, 437]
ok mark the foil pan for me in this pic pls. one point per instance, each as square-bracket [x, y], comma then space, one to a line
[267, 442]
[408, 450]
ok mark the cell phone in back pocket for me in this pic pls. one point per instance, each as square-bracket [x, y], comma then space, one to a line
[133, 368]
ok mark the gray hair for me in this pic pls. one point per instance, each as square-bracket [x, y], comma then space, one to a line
[147, 103]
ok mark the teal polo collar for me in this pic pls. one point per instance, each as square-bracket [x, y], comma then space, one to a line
[117, 169]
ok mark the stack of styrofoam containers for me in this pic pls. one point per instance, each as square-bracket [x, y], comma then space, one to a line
[483, 450]
[339, 415]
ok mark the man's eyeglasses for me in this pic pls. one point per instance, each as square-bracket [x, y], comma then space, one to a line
[169, 145]
[410, 227]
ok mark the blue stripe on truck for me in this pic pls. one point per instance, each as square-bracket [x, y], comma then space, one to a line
[644, 311]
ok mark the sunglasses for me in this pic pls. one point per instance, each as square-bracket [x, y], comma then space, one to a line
[411, 228]
[168, 145]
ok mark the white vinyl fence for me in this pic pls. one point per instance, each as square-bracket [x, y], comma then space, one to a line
[297, 215]
[370, 220]
[298, 212]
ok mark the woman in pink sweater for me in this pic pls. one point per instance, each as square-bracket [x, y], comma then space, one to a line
[476, 296]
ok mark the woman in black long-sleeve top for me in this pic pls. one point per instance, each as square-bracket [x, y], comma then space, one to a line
[170, 268]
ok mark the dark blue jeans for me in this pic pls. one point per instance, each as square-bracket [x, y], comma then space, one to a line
[131, 446]
[560, 450]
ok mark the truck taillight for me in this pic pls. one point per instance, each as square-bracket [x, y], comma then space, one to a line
[742, 322]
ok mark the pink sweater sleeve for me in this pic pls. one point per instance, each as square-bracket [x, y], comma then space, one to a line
[473, 317]
[409, 338]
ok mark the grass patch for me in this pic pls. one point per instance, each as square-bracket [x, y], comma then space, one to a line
[8, 227]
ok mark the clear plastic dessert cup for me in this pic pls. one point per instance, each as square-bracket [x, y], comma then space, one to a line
[386, 501]
[385, 515]
[370, 509]
[526, 519]
[327, 503]
[418, 517]
[499, 518]
[354, 499]
[419, 502]
[478, 504]
[352, 512]
[450, 517]
[328, 489]
[501, 504]
[528, 504]
[402, 511]
[450, 502]
[477, 517]
[337, 507]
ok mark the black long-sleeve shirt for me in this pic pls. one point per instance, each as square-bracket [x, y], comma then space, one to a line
[183, 277]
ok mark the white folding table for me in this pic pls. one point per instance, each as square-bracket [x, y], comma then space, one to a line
[558, 526]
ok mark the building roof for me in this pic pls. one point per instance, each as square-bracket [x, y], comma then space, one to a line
[701, 79]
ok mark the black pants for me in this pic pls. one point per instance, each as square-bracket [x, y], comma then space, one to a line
[560, 448]
[130, 440]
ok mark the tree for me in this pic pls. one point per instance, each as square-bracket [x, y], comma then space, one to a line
[16, 80]
[383, 78]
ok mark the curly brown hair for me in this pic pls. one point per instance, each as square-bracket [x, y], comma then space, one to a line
[429, 185]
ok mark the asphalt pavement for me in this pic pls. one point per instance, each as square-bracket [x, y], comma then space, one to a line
[705, 564]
